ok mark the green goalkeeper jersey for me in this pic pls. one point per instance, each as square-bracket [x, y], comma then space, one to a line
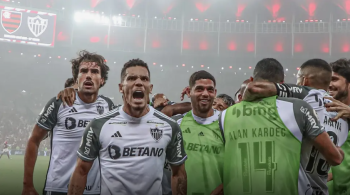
[205, 150]
[264, 145]
[341, 175]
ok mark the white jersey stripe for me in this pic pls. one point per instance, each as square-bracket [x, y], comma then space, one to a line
[290, 123]
[108, 114]
[41, 125]
[163, 115]
[178, 162]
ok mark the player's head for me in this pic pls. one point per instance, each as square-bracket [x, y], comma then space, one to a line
[315, 73]
[135, 84]
[222, 102]
[89, 71]
[269, 69]
[202, 91]
[239, 93]
[339, 86]
[69, 83]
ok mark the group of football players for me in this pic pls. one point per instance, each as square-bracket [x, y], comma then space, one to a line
[276, 138]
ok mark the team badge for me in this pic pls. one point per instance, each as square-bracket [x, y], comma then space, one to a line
[37, 25]
[100, 109]
[11, 21]
[156, 133]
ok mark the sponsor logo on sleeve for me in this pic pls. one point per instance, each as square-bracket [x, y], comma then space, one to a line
[309, 116]
[88, 141]
[179, 144]
[296, 89]
[49, 109]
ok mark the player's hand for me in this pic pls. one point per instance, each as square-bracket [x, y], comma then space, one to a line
[160, 100]
[337, 106]
[67, 96]
[184, 92]
[29, 191]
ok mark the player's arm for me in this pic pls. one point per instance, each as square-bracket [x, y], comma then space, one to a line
[334, 155]
[78, 180]
[256, 90]
[30, 157]
[176, 157]
[46, 122]
[178, 180]
[313, 130]
[87, 153]
[179, 108]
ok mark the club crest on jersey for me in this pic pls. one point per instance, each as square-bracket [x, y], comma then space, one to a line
[100, 109]
[156, 133]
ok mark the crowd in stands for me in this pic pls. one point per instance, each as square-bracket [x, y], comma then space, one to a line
[17, 122]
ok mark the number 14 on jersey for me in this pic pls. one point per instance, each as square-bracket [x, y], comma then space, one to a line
[262, 159]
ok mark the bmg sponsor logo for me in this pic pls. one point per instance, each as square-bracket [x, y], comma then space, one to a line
[256, 110]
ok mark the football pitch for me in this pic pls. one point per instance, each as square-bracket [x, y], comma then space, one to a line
[11, 174]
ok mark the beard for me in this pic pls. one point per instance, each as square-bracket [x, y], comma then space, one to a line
[205, 109]
[342, 94]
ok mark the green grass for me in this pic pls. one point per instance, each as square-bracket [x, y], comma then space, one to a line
[11, 174]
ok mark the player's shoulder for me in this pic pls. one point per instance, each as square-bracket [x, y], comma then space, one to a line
[55, 102]
[297, 104]
[178, 118]
[52, 104]
[163, 117]
[98, 122]
[110, 114]
[107, 100]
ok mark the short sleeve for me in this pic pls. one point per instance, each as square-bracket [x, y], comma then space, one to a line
[175, 153]
[48, 115]
[307, 119]
[90, 146]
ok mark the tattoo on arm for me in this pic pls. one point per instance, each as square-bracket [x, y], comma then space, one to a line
[181, 186]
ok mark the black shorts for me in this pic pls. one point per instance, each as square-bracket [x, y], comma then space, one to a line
[60, 193]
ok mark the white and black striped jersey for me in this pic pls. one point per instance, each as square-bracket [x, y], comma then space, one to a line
[315, 165]
[132, 151]
[67, 125]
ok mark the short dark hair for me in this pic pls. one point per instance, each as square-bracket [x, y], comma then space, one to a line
[317, 63]
[227, 99]
[133, 63]
[202, 74]
[269, 69]
[69, 82]
[320, 70]
[342, 67]
[85, 56]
